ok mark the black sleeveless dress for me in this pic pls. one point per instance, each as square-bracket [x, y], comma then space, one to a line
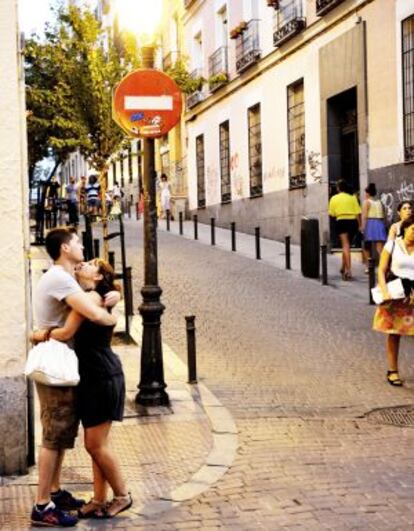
[101, 390]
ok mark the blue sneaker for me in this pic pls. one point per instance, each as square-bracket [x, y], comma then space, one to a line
[51, 516]
[65, 501]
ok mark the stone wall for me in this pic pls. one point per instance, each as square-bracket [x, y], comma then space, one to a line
[278, 214]
[14, 248]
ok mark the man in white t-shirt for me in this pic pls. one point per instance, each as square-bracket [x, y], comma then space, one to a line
[56, 293]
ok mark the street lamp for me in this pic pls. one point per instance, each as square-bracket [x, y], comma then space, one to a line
[152, 385]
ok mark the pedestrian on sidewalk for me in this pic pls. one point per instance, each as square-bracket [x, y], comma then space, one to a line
[82, 195]
[72, 202]
[165, 196]
[51, 207]
[101, 391]
[344, 207]
[93, 189]
[396, 317]
[57, 292]
[404, 210]
[372, 225]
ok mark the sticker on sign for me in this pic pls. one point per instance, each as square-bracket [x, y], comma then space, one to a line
[148, 103]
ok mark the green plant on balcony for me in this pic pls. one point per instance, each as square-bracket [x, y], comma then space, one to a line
[218, 79]
[183, 78]
[238, 30]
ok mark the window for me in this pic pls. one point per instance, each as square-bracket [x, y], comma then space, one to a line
[296, 135]
[255, 151]
[408, 86]
[201, 188]
[289, 21]
[221, 27]
[225, 162]
[197, 56]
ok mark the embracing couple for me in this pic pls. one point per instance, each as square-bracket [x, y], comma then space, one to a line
[73, 300]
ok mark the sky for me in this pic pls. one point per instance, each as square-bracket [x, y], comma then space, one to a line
[33, 14]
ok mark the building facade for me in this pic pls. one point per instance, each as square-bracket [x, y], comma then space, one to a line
[294, 95]
[14, 248]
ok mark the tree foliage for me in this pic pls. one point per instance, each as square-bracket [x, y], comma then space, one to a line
[70, 76]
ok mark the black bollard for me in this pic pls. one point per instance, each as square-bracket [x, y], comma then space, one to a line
[96, 248]
[324, 263]
[167, 219]
[85, 245]
[88, 251]
[129, 209]
[213, 231]
[111, 259]
[191, 349]
[180, 219]
[371, 277]
[287, 252]
[233, 235]
[129, 306]
[195, 218]
[257, 237]
[137, 210]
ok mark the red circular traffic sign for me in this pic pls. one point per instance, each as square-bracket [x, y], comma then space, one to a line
[146, 103]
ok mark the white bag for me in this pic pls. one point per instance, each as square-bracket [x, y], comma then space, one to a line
[395, 289]
[52, 363]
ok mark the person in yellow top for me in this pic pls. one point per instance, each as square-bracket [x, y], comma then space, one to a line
[344, 207]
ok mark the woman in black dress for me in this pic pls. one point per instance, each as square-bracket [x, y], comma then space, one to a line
[101, 392]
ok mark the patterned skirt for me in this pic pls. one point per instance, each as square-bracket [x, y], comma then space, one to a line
[395, 317]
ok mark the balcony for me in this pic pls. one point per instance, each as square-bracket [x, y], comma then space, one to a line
[170, 59]
[247, 46]
[323, 6]
[197, 95]
[218, 69]
[289, 21]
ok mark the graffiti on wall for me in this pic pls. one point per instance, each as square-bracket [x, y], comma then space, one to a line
[315, 166]
[236, 178]
[390, 200]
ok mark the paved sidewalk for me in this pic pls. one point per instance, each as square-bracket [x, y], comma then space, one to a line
[273, 253]
[168, 456]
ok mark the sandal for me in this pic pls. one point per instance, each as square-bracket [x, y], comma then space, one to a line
[93, 509]
[394, 378]
[118, 505]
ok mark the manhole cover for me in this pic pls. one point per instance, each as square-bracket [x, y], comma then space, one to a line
[395, 416]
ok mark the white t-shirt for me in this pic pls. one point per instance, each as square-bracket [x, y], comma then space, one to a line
[402, 263]
[49, 300]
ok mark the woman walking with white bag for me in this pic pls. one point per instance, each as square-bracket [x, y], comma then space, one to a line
[396, 317]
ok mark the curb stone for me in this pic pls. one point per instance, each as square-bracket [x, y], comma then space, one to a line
[223, 427]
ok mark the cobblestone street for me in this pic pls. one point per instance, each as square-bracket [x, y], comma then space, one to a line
[299, 368]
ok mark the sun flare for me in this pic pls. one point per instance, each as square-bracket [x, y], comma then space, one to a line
[141, 17]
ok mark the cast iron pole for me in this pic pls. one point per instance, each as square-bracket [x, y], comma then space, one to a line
[151, 386]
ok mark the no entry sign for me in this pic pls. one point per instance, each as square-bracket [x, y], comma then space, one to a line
[146, 103]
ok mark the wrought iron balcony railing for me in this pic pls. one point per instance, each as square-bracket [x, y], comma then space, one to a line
[218, 68]
[289, 21]
[197, 95]
[323, 6]
[170, 59]
[247, 46]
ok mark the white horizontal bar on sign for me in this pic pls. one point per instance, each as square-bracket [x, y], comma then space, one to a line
[148, 103]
